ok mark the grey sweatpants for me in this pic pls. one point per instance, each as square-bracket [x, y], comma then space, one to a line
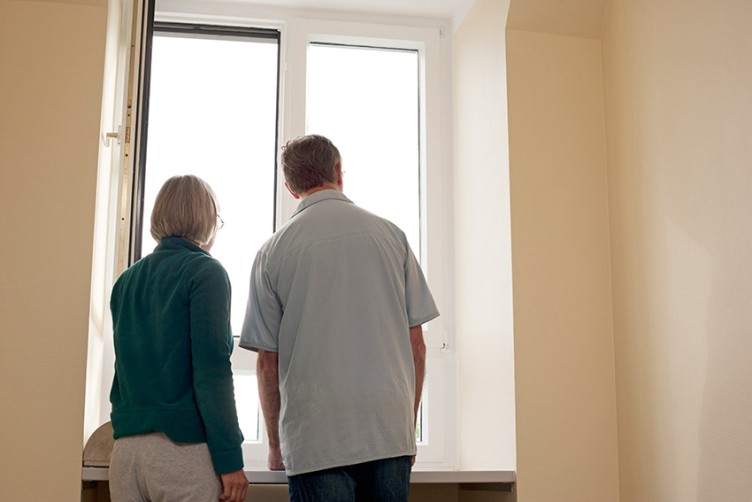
[151, 468]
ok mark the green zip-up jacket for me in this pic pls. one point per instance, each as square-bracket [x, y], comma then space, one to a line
[171, 319]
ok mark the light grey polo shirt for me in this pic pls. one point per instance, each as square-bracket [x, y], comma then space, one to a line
[334, 293]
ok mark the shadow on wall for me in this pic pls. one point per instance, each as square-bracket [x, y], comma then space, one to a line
[725, 450]
[705, 187]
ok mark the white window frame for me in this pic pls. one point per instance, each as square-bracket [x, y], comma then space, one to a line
[298, 29]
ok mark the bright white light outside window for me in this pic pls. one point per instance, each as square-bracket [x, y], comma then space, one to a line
[366, 101]
[212, 113]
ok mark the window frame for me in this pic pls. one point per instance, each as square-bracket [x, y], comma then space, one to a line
[297, 30]
[189, 30]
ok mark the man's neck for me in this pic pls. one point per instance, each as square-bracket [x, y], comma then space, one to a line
[325, 186]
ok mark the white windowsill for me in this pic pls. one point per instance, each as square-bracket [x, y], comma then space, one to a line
[257, 476]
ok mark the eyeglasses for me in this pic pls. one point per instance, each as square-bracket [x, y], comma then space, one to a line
[221, 222]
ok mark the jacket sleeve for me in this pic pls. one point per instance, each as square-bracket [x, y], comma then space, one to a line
[211, 346]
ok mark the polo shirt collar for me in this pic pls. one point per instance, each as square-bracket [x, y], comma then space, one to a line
[323, 195]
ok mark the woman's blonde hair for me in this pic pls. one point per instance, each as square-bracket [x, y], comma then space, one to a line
[186, 206]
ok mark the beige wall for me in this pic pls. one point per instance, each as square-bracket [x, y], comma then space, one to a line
[678, 110]
[678, 123]
[566, 428]
[565, 383]
[678, 87]
[51, 57]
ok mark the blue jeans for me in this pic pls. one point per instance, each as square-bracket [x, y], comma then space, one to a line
[386, 480]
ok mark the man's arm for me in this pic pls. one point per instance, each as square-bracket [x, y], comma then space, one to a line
[419, 360]
[268, 385]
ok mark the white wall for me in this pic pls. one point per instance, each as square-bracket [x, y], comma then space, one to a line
[50, 96]
[482, 242]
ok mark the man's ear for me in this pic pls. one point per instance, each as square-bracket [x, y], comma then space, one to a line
[294, 195]
[338, 172]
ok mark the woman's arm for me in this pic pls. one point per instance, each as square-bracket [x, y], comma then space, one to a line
[211, 346]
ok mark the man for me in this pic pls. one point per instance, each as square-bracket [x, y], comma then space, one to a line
[335, 311]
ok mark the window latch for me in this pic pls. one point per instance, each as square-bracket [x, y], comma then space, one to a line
[109, 136]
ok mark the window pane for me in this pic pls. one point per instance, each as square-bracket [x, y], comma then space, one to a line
[366, 101]
[247, 404]
[212, 113]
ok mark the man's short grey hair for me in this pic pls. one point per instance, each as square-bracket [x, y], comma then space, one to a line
[309, 162]
[186, 206]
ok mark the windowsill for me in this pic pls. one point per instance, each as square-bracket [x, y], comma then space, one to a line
[263, 476]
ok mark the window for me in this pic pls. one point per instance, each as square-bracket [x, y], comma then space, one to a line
[366, 100]
[212, 112]
[225, 92]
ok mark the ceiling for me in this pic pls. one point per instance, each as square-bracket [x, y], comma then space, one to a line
[578, 18]
[445, 9]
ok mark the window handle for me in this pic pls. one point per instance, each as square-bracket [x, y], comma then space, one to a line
[112, 135]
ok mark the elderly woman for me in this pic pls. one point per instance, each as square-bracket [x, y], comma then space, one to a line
[173, 407]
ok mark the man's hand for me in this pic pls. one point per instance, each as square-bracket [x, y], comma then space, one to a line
[234, 486]
[274, 460]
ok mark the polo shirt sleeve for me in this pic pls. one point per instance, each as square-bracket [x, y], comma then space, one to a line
[421, 307]
[263, 314]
